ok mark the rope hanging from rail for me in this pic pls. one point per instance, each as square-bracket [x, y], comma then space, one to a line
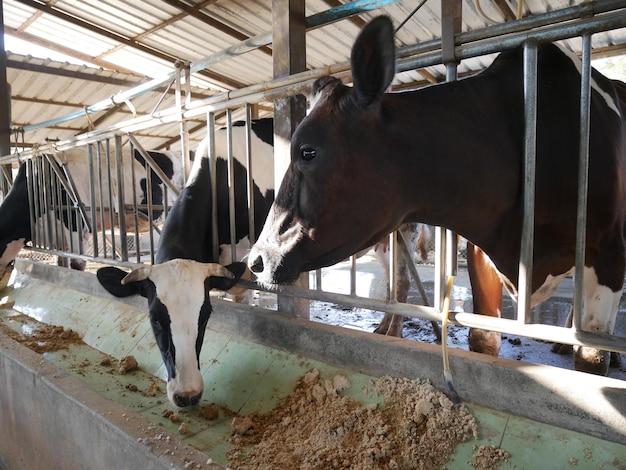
[447, 372]
[491, 21]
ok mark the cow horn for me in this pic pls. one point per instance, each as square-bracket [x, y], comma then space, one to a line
[138, 274]
[215, 269]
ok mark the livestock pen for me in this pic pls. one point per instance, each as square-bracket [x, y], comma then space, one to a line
[68, 405]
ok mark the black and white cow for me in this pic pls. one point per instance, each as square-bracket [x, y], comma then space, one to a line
[177, 286]
[15, 222]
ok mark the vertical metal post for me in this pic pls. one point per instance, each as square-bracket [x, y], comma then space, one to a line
[393, 267]
[583, 174]
[47, 200]
[92, 200]
[101, 191]
[110, 189]
[183, 71]
[524, 289]
[231, 185]
[213, 170]
[289, 57]
[5, 106]
[133, 180]
[31, 176]
[250, 179]
[446, 240]
[121, 197]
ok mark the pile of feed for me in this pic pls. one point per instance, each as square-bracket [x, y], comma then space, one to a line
[41, 338]
[316, 427]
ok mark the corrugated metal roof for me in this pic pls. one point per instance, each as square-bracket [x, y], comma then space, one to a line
[133, 41]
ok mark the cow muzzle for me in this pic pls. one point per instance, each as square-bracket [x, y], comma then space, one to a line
[182, 398]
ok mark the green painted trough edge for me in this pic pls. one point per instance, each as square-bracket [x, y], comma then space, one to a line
[50, 419]
[571, 400]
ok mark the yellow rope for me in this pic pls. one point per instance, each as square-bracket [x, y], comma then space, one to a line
[447, 372]
[483, 14]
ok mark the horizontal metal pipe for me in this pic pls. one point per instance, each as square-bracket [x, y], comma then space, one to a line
[493, 45]
[250, 44]
[296, 83]
[584, 10]
[549, 333]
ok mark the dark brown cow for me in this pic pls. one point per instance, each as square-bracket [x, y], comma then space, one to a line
[356, 158]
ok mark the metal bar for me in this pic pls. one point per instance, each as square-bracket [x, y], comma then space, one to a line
[107, 147]
[549, 19]
[524, 282]
[550, 33]
[131, 161]
[153, 165]
[182, 69]
[121, 197]
[542, 332]
[231, 184]
[439, 290]
[352, 275]
[318, 20]
[295, 83]
[34, 199]
[101, 202]
[393, 268]
[249, 175]
[583, 173]
[404, 249]
[92, 200]
[213, 173]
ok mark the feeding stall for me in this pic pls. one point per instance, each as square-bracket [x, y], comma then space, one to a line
[342, 398]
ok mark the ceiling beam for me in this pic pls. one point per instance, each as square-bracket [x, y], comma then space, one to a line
[40, 5]
[195, 12]
[505, 9]
[357, 21]
[76, 74]
[18, 33]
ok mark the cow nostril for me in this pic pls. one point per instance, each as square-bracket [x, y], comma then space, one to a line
[185, 400]
[257, 265]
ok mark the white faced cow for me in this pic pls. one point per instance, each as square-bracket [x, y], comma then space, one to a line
[177, 287]
[338, 198]
[15, 222]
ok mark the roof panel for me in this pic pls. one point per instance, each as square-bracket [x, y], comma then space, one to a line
[190, 33]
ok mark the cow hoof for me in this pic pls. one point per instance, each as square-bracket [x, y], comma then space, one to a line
[591, 360]
[483, 341]
[388, 331]
[78, 264]
[562, 349]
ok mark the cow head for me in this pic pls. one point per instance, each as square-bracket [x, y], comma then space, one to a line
[326, 209]
[179, 305]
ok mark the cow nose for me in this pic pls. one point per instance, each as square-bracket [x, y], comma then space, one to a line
[257, 265]
[186, 400]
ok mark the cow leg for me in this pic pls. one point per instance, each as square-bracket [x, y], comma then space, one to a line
[487, 297]
[560, 348]
[391, 324]
[599, 315]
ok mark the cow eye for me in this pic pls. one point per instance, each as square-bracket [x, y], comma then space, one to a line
[308, 155]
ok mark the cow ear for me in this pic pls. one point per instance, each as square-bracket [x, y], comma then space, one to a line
[373, 60]
[111, 279]
[138, 274]
[225, 283]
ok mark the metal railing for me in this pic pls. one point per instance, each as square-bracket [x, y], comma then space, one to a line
[103, 212]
